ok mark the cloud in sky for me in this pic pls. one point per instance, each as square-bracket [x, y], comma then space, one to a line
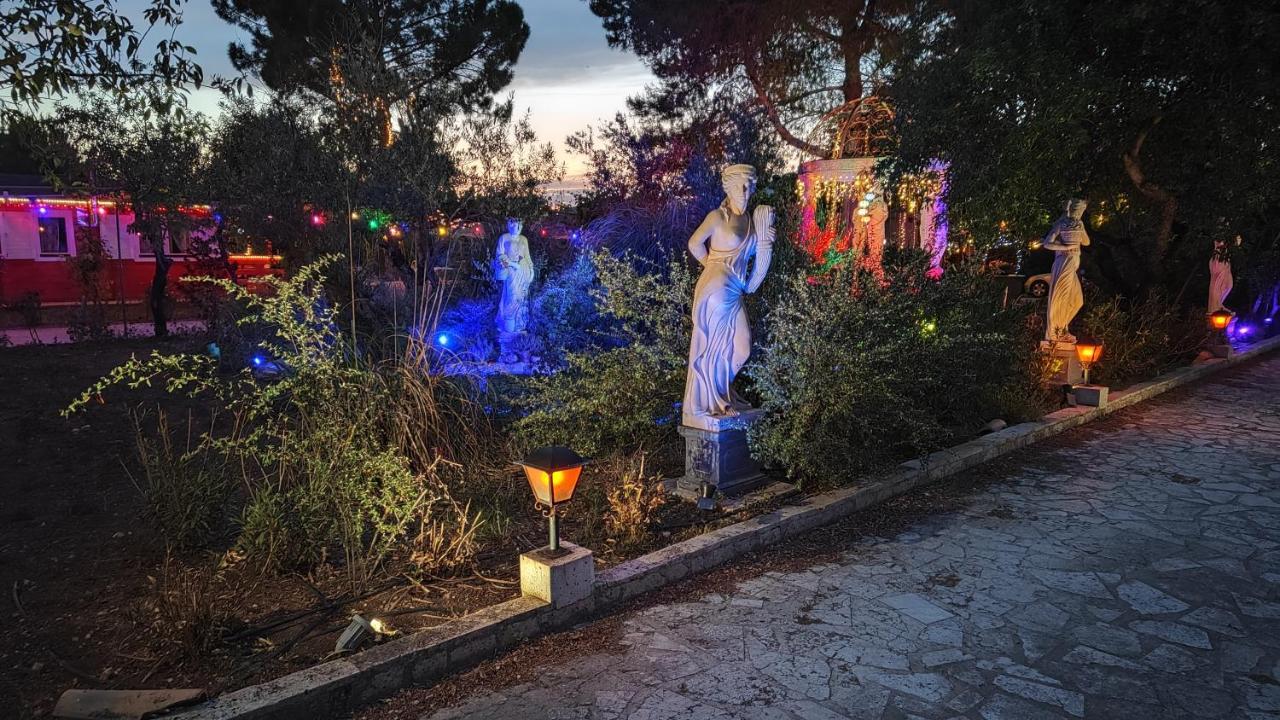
[567, 76]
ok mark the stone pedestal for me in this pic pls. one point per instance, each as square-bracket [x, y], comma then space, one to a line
[717, 453]
[1068, 370]
[1222, 350]
[1091, 395]
[511, 347]
[560, 579]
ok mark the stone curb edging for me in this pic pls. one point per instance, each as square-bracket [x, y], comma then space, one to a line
[340, 686]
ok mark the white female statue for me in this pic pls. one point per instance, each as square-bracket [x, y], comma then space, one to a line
[513, 267]
[1066, 297]
[1220, 280]
[721, 335]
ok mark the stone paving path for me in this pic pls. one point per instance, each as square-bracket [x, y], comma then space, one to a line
[1135, 574]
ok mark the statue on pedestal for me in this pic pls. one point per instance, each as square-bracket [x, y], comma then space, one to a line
[1066, 297]
[1220, 280]
[513, 267]
[725, 244]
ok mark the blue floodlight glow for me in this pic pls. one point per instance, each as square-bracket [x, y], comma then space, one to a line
[443, 340]
[258, 360]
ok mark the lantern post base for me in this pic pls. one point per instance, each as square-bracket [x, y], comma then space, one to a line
[561, 578]
[1091, 395]
[1222, 350]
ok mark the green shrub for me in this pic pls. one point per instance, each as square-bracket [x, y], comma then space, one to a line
[861, 371]
[334, 454]
[624, 396]
[186, 488]
[1141, 339]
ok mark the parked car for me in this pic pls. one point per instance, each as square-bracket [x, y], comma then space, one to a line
[1025, 260]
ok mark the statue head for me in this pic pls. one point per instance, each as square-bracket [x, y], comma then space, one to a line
[1075, 208]
[514, 226]
[739, 182]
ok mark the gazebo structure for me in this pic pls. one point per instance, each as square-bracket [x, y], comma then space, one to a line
[847, 211]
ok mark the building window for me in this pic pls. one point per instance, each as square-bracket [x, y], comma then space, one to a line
[53, 236]
[179, 243]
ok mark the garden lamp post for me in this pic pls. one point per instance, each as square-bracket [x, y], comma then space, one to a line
[1218, 322]
[1219, 319]
[1088, 354]
[553, 475]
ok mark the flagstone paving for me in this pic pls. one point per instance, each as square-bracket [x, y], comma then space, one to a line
[1136, 575]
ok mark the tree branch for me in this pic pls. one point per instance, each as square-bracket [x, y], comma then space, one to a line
[775, 119]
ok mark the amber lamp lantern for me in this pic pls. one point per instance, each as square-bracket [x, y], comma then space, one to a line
[1088, 354]
[553, 475]
[1219, 319]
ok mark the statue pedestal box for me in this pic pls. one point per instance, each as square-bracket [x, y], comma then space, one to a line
[717, 453]
[1066, 366]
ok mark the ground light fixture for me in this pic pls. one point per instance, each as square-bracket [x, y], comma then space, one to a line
[553, 475]
[1088, 353]
[706, 496]
[360, 630]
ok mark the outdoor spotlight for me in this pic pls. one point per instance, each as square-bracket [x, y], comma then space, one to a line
[706, 496]
[359, 631]
[553, 475]
[1088, 354]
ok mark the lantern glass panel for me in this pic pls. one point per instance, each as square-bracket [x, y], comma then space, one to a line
[539, 483]
[1088, 353]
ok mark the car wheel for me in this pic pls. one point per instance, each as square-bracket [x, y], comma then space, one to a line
[1038, 288]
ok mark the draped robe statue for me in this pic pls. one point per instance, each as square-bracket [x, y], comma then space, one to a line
[1066, 297]
[1220, 280]
[513, 267]
[725, 243]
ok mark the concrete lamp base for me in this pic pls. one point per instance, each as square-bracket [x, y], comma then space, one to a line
[1222, 350]
[1091, 395]
[561, 578]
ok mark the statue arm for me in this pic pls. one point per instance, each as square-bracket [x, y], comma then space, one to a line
[1050, 241]
[698, 241]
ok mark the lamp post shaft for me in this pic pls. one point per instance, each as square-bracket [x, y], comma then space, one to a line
[553, 528]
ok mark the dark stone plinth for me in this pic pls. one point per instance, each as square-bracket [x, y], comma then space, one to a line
[720, 457]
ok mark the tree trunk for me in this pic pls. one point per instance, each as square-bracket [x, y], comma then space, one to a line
[1166, 200]
[160, 279]
[853, 45]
